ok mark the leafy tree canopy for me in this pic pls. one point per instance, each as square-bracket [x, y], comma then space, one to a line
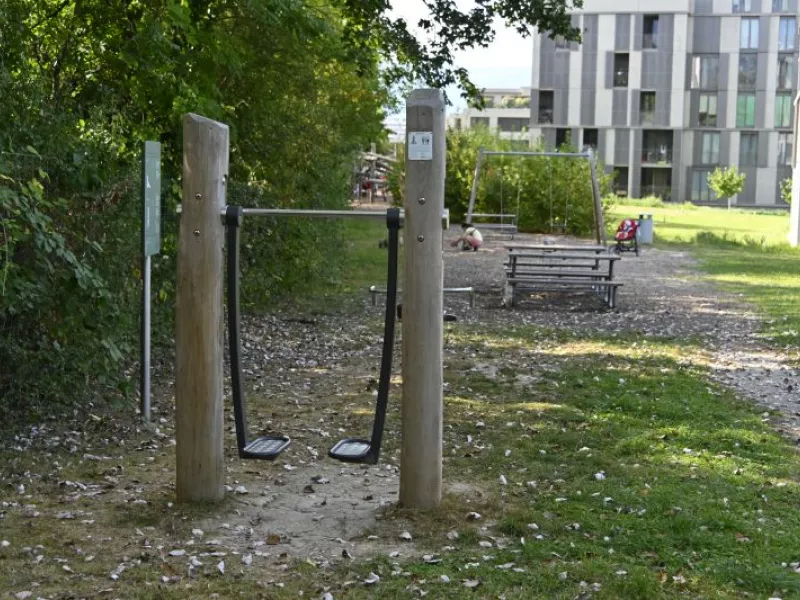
[448, 28]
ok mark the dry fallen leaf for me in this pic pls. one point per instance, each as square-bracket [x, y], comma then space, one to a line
[471, 583]
[372, 579]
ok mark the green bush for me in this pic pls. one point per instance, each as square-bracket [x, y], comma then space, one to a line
[548, 193]
[299, 102]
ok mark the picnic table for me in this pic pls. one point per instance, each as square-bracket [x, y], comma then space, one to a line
[595, 249]
[558, 268]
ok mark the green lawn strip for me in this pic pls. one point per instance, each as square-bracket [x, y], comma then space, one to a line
[699, 496]
[769, 279]
[681, 223]
[745, 252]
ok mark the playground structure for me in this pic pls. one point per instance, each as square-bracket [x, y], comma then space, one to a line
[200, 467]
[509, 222]
[370, 175]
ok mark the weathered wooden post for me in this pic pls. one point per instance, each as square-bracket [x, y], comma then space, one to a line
[198, 320]
[423, 282]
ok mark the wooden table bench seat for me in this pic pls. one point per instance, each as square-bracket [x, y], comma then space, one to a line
[559, 268]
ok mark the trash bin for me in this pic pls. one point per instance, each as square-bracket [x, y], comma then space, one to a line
[646, 228]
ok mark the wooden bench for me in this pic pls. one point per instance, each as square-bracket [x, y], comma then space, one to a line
[375, 291]
[513, 248]
[556, 269]
[503, 227]
[608, 288]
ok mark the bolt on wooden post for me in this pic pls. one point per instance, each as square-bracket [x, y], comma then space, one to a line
[423, 283]
[198, 320]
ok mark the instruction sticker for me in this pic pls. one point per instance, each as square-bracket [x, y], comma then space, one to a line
[420, 145]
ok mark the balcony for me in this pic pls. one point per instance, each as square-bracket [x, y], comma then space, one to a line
[660, 156]
[545, 116]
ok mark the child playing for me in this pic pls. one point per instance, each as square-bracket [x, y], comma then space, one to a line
[471, 238]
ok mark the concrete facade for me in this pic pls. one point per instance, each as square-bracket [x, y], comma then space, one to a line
[666, 92]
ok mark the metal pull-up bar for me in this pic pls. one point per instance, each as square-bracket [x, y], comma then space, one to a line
[374, 215]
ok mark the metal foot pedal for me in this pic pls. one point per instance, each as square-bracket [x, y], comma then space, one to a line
[353, 450]
[267, 447]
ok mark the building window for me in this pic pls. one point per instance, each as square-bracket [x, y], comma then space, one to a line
[785, 148]
[780, 5]
[512, 124]
[700, 190]
[458, 124]
[621, 66]
[748, 150]
[708, 110]
[748, 64]
[709, 151]
[563, 136]
[704, 72]
[479, 121]
[650, 31]
[590, 138]
[748, 34]
[785, 71]
[621, 181]
[783, 111]
[787, 32]
[741, 6]
[545, 107]
[647, 108]
[746, 110]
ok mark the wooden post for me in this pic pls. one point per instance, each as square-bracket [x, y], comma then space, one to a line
[423, 282]
[198, 320]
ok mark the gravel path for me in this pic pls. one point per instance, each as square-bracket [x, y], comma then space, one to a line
[664, 295]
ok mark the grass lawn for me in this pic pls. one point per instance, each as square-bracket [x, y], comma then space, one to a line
[744, 251]
[612, 470]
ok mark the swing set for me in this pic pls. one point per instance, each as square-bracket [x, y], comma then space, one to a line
[508, 222]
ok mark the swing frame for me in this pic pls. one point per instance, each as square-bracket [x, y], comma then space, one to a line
[589, 155]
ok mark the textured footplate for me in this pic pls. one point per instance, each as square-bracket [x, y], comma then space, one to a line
[267, 447]
[353, 450]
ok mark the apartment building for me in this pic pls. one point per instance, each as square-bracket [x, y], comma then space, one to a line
[668, 91]
[506, 110]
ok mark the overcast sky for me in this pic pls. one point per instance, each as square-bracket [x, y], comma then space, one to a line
[506, 63]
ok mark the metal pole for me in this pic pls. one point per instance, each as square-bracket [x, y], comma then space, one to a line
[145, 337]
[423, 329]
[474, 192]
[374, 215]
[599, 219]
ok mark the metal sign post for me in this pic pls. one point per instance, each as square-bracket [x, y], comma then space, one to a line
[151, 244]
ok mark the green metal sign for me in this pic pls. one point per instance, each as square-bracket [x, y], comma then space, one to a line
[151, 186]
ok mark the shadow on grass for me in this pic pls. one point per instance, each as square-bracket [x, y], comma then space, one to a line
[694, 486]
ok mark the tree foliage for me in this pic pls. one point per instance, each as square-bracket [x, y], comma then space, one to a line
[550, 193]
[447, 29]
[786, 190]
[84, 83]
[726, 182]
